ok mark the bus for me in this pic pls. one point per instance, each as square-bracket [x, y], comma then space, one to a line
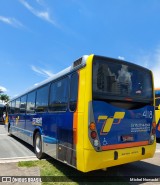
[157, 113]
[2, 109]
[97, 113]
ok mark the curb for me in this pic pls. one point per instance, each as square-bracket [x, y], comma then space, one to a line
[18, 159]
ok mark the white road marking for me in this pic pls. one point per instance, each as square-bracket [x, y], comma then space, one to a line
[17, 159]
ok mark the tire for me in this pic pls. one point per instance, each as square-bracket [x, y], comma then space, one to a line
[158, 140]
[38, 146]
[9, 132]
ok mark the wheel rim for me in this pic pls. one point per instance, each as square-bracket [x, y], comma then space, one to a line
[38, 144]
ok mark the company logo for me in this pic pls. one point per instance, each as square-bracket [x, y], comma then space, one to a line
[37, 121]
[109, 121]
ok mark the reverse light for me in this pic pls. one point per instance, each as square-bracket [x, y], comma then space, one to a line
[96, 142]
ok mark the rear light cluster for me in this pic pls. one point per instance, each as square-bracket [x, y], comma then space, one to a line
[153, 132]
[93, 134]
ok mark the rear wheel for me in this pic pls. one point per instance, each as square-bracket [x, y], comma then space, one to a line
[38, 146]
[9, 129]
[158, 140]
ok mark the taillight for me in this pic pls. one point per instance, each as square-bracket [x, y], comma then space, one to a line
[153, 132]
[154, 124]
[154, 128]
[93, 134]
[92, 126]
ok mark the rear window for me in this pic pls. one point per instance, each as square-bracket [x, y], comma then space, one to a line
[113, 79]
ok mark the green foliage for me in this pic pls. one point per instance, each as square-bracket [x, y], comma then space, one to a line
[4, 98]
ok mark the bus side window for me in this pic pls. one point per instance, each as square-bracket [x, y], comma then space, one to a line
[42, 99]
[13, 107]
[73, 92]
[59, 95]
[31, 102]
[23, 104]
[9, 108]
[17, 106]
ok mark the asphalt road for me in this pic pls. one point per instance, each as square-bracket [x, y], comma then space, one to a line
[13, 149]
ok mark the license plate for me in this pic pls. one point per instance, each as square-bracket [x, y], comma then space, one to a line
[127, 138]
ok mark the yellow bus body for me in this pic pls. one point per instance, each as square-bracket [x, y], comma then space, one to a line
[87, 158]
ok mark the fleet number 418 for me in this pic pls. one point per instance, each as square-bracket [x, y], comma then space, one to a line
[147, 114]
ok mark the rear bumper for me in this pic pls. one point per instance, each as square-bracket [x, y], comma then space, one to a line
[97, 160]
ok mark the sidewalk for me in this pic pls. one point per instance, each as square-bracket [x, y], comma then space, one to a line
[12, 170]
[9, 168]
[2, 129]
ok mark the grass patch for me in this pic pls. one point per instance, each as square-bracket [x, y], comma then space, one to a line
[54, 170]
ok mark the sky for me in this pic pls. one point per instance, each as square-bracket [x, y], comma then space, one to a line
[39, 38]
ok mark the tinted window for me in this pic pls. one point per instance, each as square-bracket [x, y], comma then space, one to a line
[12, 107]
[23, 104]
[9, 108]
[17, 105]
[42, 99]
[31, 102]
[113, 79]
[59, 95]
[73, 92]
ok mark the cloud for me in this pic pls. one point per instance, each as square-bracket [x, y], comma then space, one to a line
[45, 15]
[2, 89]
[152, 61]
[42, 72]
[156, 68]
[11, 21]
[121, 58]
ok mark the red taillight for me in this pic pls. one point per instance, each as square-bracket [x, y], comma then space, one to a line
[153, 131]
[93, 134]
[154, 128]
[154, 124]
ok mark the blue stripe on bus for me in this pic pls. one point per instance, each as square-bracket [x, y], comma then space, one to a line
[26, 132]
[49, 140]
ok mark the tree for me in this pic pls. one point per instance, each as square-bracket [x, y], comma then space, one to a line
[4, 98]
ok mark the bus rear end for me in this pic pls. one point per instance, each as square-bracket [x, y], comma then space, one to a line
[157, 113]
[121, 124]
